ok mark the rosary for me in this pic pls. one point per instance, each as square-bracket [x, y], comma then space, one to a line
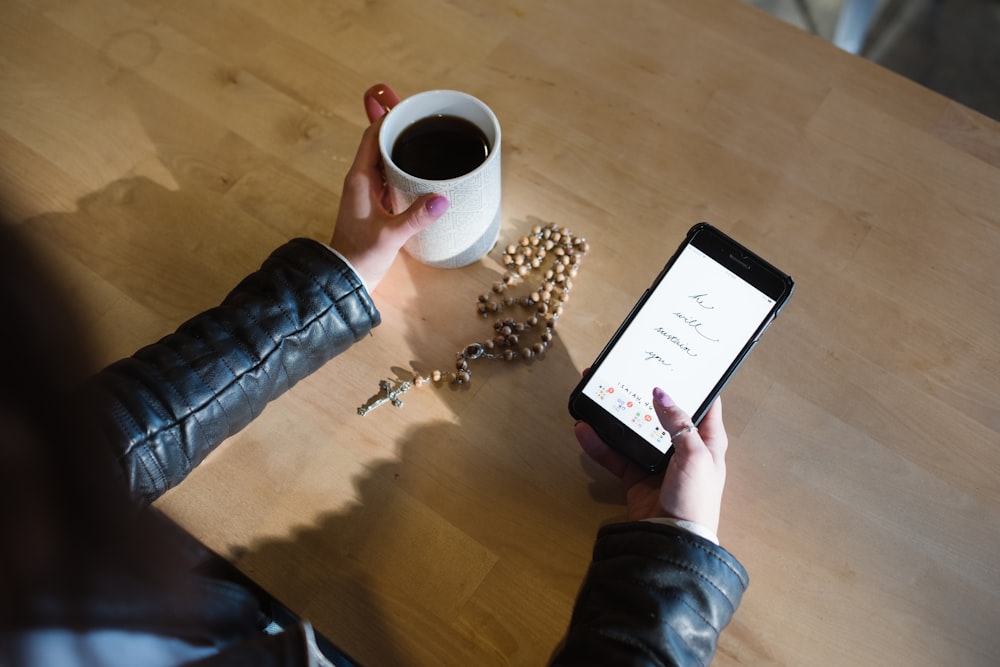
[510, 339]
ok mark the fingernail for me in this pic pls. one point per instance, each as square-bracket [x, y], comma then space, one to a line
[662, 398]
[438, 206]
[382, 95]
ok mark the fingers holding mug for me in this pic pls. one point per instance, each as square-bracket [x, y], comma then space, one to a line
[379, 99]
[448, 143]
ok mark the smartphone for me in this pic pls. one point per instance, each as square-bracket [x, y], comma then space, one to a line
[687, 334]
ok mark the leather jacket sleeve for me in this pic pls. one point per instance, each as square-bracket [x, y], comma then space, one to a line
[654, 595]
[163, 410]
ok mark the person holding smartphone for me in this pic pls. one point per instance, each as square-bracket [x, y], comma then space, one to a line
[84, 583]
[660, 589]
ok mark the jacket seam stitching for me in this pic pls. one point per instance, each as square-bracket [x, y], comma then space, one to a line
[192, 410]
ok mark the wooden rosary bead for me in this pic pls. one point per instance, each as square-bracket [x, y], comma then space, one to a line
[543, 310]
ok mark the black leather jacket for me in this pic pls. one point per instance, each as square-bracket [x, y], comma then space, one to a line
[654, 595]
[170, 404]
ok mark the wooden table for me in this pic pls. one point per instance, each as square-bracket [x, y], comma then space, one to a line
[160, 150]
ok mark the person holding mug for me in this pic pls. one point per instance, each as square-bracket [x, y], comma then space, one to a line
[87, 579]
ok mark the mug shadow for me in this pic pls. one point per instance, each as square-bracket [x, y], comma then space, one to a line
[173, 252]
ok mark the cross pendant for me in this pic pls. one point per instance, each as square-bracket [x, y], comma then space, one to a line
[386, 395]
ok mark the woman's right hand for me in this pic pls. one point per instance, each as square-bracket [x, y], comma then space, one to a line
[690, 489]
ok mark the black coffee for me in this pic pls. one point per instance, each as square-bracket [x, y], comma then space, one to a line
[440, 147]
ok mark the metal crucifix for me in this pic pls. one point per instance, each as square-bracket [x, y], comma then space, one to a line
[387, 394]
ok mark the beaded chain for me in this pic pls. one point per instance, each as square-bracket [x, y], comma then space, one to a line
[509, 342]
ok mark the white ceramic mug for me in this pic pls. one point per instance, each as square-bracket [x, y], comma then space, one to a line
[470, 227]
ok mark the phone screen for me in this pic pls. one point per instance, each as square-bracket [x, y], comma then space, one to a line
[693, 325]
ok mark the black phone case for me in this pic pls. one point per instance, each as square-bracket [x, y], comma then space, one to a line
[612, 431]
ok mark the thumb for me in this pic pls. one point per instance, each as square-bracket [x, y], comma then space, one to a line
[676, 422]
[421, 214]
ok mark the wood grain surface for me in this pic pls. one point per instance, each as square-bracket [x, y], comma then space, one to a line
[160, 149]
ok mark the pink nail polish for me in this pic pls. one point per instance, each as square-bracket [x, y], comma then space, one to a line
[438, 206]
[662, 398]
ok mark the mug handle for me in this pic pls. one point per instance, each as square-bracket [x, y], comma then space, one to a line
[378, 100]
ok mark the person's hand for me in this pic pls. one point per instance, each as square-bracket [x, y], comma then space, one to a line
[367, 234]
[691, 487]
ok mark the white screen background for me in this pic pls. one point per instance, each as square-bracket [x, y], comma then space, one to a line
[685, 337]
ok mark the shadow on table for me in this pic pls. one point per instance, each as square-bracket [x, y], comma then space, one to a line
[167, 250]
[498, 505]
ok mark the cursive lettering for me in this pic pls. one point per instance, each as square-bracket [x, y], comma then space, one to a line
[700, 300]
[671, 338]
[695, 324]
[653, 356]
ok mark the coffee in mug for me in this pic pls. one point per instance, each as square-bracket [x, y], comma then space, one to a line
[445, 142]
[440, 147]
